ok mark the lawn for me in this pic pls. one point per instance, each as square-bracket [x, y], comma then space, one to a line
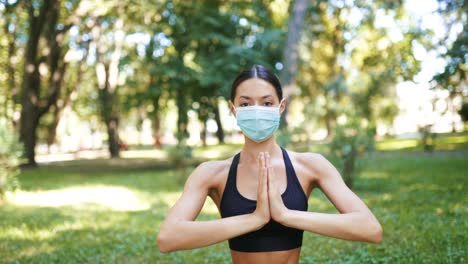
[108, 211]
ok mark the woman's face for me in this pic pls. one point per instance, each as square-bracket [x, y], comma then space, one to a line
[255, 91]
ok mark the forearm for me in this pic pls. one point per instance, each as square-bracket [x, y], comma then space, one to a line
[357, 226]
[181, 234]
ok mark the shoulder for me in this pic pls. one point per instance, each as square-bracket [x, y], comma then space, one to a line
[208, 173]
[315, 165]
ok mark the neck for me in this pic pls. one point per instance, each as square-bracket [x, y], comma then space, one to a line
[251, 149]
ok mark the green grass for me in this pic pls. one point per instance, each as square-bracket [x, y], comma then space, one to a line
[442, 142]
[101, 211]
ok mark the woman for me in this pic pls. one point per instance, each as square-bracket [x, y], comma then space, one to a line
[262, 191]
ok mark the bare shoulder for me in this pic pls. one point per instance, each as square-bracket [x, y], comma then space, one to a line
[208, 173]
[312, 164]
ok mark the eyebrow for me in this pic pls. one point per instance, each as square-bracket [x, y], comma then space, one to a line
[248, 97]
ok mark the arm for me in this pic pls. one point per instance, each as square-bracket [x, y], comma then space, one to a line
[355, 221]
[180, 231]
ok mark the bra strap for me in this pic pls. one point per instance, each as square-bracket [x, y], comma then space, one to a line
[231, 181]
[291, 173]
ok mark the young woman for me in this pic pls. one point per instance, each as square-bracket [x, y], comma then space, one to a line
[262, 192]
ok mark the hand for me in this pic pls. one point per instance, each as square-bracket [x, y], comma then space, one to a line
[277, 207]
[263, 209]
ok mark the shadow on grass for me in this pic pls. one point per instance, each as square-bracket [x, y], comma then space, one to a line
[90, 234]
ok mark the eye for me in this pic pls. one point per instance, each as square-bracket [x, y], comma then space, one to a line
[268, 104]
[244, 104]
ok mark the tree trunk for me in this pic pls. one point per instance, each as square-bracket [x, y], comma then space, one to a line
[156, 113]
[59, 107]
[108, 113]
[42, 22]
[28, 125]
[203, 116]
[203, 132]
[182, 118]
[330, 120]
[290, 54]
[348, 167]
[30, 101]
[220, 130]
[112, 132]
[52, 128]
[157, 130]
[107, 72]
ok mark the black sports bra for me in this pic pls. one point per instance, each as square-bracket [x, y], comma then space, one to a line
[273, 236]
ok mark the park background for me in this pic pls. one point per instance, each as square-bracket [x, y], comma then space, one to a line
[107, 106]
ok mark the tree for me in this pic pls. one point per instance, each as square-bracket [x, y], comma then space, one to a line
[349, 70]
[43, 22]
[12, 21]
[323, 77]
[454, 78]
[72, 82]
[109, 48]
[290, 53]
[10, 157]
[37, 40]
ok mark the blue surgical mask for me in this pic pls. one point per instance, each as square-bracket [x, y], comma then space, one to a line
[258, 122]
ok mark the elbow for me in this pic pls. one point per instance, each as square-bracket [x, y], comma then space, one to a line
[164, 242]
[376, 233]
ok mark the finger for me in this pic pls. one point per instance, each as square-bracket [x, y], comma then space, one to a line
[265, 179]
[262, 173]
[259, 162]
[270, 181]
[262, 159]
[264, 184]
[260, 165]
[267, 159]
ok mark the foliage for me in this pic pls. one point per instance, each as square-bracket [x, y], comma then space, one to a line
[188, 52]
[283, 137]
[10, 157]
[179, 157]
[454, 77]
[350, 142]
[336, 70]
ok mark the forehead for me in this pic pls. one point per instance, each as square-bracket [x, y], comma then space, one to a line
[255, 88]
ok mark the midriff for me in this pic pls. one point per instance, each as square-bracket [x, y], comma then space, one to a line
[273, 257]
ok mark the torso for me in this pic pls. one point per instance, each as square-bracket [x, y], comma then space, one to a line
[247, 181]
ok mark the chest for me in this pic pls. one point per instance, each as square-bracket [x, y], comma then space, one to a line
[247, 178]
[240, 194]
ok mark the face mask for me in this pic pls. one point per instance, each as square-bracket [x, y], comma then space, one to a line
[258, 122]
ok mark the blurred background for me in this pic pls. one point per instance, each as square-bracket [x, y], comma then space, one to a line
[107, 106]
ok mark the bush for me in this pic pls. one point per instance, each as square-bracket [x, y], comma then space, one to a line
[351, 141]
[283, 137]
[10, 157]
[179, 157]
[463, 112]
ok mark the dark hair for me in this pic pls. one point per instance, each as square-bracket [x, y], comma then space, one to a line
[257, 71]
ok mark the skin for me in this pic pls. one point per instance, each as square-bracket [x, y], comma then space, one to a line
[261, 176]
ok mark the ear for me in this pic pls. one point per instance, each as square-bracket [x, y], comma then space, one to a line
[232, 108]
[282, 105]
